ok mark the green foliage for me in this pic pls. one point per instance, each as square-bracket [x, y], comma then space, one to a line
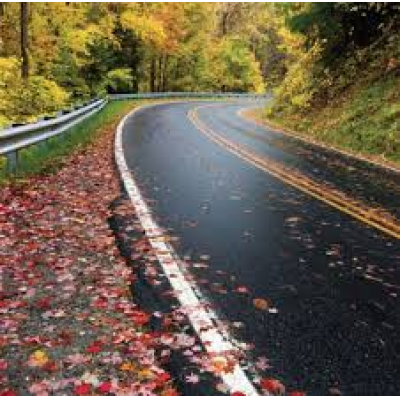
[299, 85]
[341, 63]
[236, 69]
[23, 100]
[119, 80]
[79, 50]
[342, 27]
[363, 120]
[49, 156]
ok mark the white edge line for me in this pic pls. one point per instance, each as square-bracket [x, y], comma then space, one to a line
[211, 338]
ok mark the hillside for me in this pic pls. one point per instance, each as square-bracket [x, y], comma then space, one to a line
[352, 104]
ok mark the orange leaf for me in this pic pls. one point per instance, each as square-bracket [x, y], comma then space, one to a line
[261, 304]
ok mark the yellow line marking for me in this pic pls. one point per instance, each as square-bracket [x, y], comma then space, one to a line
[288, 132]
[341, 202]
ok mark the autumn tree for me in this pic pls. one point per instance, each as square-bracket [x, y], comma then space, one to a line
[24, 27]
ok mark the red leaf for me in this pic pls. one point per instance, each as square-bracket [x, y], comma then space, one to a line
[83, 390]
[163, 377]
[8, 392]
[140, 318]
[95, 347]
[273, 386]
[242, 289]
[296, 393]
[43, 303]
[105, 387]
[238, 394]
[169, 392]
[50, 366]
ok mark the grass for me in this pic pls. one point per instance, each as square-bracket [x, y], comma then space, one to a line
[364, 119]
[47, 157]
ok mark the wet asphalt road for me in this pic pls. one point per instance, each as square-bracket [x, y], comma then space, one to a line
[333, 281]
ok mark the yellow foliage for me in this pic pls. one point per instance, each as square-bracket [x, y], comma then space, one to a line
[146, 28]
[20, 100]
[298, 87]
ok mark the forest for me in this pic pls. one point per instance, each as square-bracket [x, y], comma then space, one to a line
[317, 59]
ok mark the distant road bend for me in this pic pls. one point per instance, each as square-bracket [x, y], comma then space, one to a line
[313, 232]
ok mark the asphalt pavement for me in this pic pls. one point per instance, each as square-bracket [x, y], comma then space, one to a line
[331, 282]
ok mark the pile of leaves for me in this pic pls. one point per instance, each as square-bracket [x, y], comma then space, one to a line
[68, 323]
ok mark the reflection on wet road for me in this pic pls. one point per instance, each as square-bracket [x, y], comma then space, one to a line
[331, 282]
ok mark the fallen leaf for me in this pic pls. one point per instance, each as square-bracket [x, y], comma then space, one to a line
[38, 359]
[261, 304]
[105, 387]
[272, 386]
[83, 389]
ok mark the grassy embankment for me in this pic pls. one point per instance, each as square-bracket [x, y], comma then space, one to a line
[362, 118]
[48, 157]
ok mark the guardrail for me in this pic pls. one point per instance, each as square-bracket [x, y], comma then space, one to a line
[16, 138]
[188, 95]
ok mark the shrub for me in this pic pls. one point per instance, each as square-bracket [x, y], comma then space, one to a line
[22, 101]
[299, 85]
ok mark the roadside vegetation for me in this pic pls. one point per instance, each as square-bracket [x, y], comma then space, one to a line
[50, 155]
[56, 54]
[337, 75]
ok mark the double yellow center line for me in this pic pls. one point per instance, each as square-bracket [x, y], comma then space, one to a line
[383, 222]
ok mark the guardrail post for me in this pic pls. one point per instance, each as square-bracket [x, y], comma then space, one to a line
[12, 162]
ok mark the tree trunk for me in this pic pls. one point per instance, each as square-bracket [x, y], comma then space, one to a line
[24, 25]
[165, 79]
[135, 83]
[153, 75]
[159, 77]
[2, 9]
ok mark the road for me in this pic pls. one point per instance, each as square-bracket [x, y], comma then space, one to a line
[280, 220]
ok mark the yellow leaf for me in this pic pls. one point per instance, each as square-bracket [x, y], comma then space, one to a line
[145, 374]
[38, 358]
[127, 366]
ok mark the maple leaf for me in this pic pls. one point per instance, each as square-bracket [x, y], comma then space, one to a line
[140, 318]
[242, 289]
[261, 304]
[163, 377]
[222, 387]
[83, 389]
[9, 392]
[273, 386]
[39, 389]
[296, 393]
[38, 359]
[88, 377]
[105, 387]
[3, 365]
[219, 364]
[94, 348]
[76, 359]
[192, 378]
[169, 392]
[127, 366]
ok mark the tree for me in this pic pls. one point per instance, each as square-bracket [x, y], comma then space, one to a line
[24, 26]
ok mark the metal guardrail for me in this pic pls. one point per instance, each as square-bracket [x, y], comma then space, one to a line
[16, 138]
[188, 95]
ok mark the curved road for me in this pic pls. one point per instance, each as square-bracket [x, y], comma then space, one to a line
[330, 279]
